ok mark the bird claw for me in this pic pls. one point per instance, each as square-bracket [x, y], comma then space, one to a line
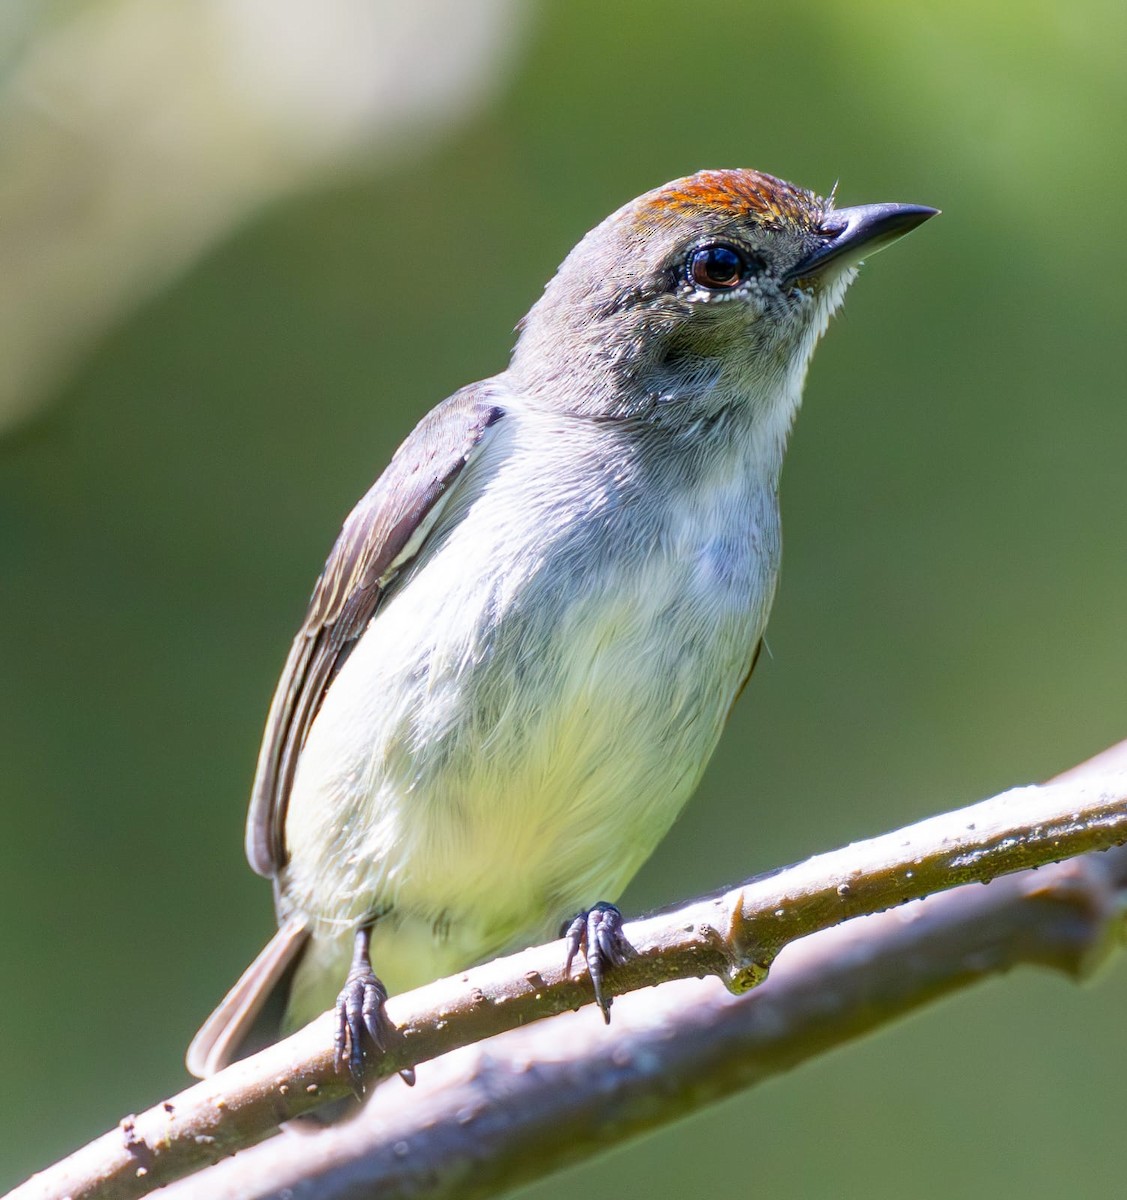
[598, 934]
[360, 1011]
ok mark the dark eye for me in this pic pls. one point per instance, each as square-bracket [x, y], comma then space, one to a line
[717, 267]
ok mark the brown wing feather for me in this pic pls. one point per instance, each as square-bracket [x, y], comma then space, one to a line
[377, 538]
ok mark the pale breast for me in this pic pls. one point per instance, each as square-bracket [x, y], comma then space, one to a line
[527, 714]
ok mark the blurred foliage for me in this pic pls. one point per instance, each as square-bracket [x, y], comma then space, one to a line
[950, 620]
[133, 136]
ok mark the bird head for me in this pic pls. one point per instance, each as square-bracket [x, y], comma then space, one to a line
[711, 289]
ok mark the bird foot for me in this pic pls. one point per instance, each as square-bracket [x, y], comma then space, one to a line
[360, 1011]
[598, 934]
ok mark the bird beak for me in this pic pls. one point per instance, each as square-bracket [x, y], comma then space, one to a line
[854, 233]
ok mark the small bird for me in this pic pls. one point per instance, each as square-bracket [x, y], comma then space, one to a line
[526, 641]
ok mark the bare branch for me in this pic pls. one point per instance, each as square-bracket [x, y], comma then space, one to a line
[735, 936]
[488, 1118]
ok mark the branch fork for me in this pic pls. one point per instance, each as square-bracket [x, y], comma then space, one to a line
[734, 935]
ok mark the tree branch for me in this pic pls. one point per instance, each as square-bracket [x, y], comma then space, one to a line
[489, 1118]
[735, 936]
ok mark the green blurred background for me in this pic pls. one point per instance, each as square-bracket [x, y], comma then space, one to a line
[228, 290]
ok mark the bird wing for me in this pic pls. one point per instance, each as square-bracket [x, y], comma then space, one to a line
[381, 534]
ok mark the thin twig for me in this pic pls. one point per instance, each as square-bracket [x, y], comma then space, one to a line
[735, 936]
[491, 1117]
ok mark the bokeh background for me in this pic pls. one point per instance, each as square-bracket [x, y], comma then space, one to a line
[245, 244]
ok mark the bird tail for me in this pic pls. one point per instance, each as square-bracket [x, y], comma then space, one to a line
[249, 1017]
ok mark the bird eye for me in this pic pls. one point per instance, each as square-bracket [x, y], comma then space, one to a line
[717, 267]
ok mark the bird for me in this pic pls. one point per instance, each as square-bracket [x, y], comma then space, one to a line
[527, 639]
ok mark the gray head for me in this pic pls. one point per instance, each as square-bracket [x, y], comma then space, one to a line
[711, 288]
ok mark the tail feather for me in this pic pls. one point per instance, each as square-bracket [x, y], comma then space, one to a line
[236, 1027]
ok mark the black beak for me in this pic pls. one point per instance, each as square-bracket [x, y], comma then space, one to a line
[854, 233]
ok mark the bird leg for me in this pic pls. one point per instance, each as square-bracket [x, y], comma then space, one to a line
[360, 1009]
[598, 933]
